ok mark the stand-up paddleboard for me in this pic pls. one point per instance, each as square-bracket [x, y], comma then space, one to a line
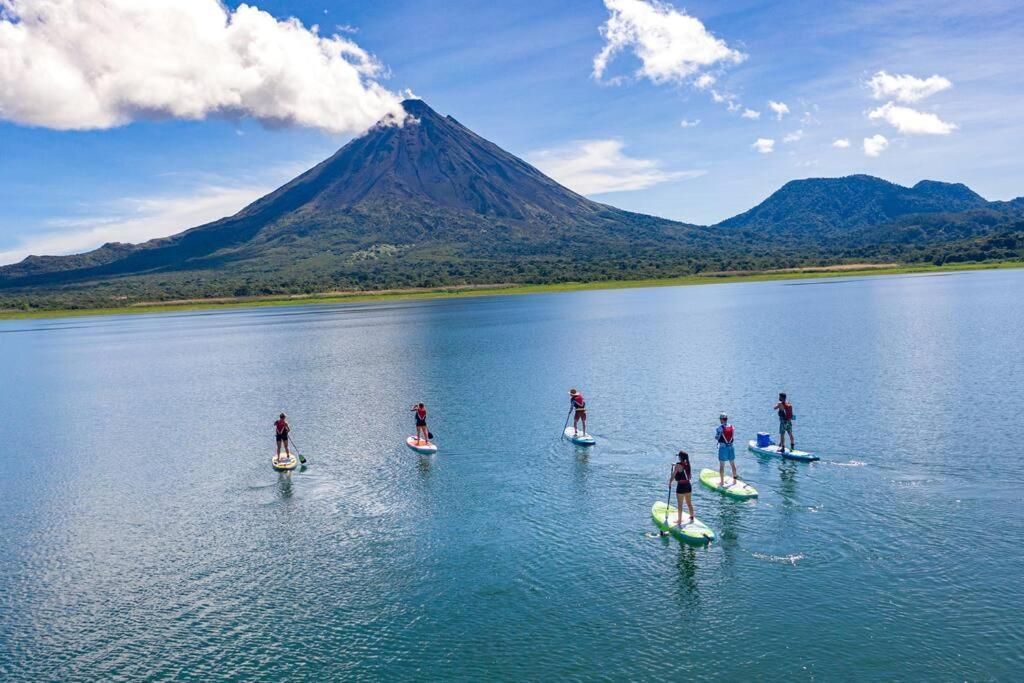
[580, 439]
[733, 487]
[421, 447]
[284, 463]
[691, 532]
[774, 451]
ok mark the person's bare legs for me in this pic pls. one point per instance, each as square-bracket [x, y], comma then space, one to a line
[734, 475]
[792, 441]
[689, 506]
[575, 422]
[721, 473]
[584, 423]
[679, 508]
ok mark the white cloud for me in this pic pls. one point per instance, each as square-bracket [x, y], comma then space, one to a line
[704, 81]
[686, 123]
[671, 45]
[751, 114]
[906, 88]
[135, 220]
[596, 166]
[794, 136]
[779, 108]
[875, 145]
[764, 145]
[69, 64]
[841, 143]
[910, 121]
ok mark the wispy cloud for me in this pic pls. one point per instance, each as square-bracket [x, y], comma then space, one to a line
[672, 46]
[686, 123]
[67, 65]
[906, 88]
[751, 114]
[597, 166]
[764, 145]
[794, 136]
[134, 219]
[841, 143]
[875, 145]
[910, 121]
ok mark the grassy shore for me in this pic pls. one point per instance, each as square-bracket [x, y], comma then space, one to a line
[494, 290]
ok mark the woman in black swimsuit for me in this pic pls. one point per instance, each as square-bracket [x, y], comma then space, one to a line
[681, 476]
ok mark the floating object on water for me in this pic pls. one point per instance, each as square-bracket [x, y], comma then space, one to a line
[580, 439]
[420, 446]
[284, 463]
[733, 487]
[777, 452]
[691, 532]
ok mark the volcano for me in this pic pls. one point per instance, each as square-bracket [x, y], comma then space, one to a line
[420, 202]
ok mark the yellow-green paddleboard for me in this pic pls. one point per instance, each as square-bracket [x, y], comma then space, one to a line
[691, 532]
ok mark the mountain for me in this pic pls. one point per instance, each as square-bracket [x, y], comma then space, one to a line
[825, 210]
[427, 202]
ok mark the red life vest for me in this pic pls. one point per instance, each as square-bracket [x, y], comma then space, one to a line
[578, 402]
[421, 413]
[281, 426]
[727, 433]
[786, 411]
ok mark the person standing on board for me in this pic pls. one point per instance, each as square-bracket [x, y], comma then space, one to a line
[281, 429]
[724, 435]
[785, 410]
[579, 406]
[681, 476]
[422, 433]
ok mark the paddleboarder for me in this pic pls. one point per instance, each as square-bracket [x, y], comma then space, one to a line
[724, 435]
[422, 433]
[681, 476]
[785, 411]
[579, 406]
[281, 429]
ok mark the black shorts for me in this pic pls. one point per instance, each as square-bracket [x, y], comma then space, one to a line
[421, 423]
[683, 487]
[282, 437]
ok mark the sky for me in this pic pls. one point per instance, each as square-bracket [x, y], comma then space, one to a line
[124, 121]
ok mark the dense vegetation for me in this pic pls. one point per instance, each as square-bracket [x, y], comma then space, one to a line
[432, 204]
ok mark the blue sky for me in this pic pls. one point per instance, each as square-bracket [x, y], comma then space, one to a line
[917, 89]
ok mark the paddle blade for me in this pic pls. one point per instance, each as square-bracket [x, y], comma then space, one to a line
[430, 435]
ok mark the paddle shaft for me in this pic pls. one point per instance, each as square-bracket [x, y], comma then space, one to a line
[566, 422]
[668, 501]
[302, 458]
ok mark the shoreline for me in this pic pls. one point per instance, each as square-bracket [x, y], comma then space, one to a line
[457, 291]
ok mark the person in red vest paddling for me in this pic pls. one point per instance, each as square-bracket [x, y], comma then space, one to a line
[724, 435]
[681, 476]
[422, 433]
[785, 410]
[281, 429]
[579, 407]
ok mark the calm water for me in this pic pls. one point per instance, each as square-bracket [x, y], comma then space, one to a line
[145, 534]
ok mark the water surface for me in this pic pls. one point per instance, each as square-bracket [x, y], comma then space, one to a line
[146, 535]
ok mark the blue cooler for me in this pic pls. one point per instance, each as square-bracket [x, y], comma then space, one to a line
[764, 440]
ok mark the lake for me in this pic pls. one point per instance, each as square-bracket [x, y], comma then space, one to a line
[146, 535]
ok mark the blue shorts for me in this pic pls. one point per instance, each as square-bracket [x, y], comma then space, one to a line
[726, 452]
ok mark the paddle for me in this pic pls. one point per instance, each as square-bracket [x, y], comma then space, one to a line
[566, 422]
[302, 458]
[668, 502]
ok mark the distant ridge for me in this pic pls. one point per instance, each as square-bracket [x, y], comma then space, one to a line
[823, 210]
[431, 203]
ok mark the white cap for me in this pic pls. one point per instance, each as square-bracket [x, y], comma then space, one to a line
[723, 416]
